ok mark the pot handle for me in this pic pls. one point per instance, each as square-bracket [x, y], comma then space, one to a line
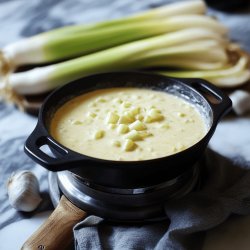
[38, 138]
[57, 231]
[220, 102]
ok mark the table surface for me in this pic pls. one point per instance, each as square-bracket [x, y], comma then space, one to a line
[19, 19]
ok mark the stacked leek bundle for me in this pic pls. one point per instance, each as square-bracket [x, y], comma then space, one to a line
[175, 40]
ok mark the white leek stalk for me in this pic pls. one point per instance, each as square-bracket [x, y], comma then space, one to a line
[228, 76]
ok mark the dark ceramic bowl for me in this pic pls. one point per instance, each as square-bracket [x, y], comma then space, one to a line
[210, 101]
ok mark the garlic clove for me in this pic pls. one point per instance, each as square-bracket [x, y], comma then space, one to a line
[23, 191]
[241, 101]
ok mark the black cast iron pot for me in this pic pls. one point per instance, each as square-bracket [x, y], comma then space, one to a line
[210, 101]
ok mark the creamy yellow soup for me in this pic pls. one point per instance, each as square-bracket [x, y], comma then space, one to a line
[127, 124]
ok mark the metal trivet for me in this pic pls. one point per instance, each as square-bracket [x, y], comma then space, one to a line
[137, 204]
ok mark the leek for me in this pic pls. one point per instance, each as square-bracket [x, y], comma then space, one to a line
[229, 76]
[177, 38]
[43, 79]
[209, 51]
[231, 81]
[49, 48]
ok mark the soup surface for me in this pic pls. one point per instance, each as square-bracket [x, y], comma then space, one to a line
[127, 124]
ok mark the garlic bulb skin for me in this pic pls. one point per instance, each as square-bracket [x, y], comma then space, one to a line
[23, 191]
